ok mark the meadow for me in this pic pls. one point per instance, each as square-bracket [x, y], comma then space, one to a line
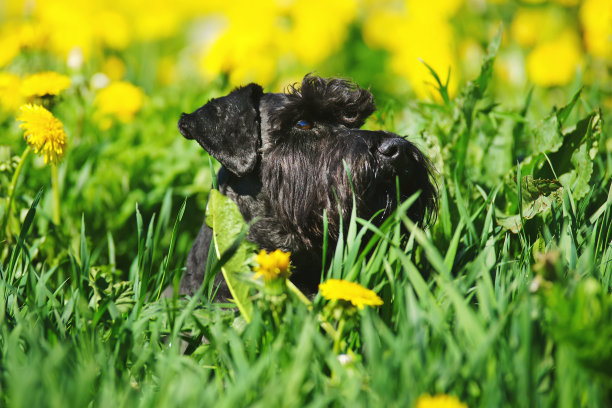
[506, 300]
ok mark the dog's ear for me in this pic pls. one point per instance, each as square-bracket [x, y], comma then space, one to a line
[228, 128]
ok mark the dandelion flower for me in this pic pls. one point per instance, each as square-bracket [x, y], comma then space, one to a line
[43, 132]
[533, 25]
[555, 63]
[439, 401]
[596, 20]
[44, 83]
[9, 47]
[272, 265]
[436, 46]
[120, 99]
[337, 289]
[114, 68]
[9, 91]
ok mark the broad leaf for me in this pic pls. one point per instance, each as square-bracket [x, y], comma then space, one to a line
[547, 135]
[223, 216]
[105, 289]
[561, 158]
[533, 189]
[538, 196]
[582, 147]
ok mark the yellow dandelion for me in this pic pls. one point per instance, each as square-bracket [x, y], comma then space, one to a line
[272, 265]
[43, 132]
[10, 84]
[312, 43]
[32, 35]
[439, 401]
[9, 47]
[338, 289]
[120, 99]
[436, 47]
[44, 83]
[113, 29]
[556, 62]
[114, 68]
[596, 21]
[532, 26]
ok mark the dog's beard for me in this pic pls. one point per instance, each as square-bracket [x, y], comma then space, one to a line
[305, 176]
[304, 182]
[384, 202]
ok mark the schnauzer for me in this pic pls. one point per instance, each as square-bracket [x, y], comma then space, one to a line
[287, 157]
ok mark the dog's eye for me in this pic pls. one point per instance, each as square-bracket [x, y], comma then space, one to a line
[303, 124]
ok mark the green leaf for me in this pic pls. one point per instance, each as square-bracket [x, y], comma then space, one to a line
[561, 158]
[442, 88]
[537, 196]
[582, 145]
[474, 90]
[533, 189]
[105, 290]
[466, 103]
[223, 216]
[547, 135]
[564, 112]
[579, 317]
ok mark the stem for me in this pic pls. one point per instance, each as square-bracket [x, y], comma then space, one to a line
[11, 191]
[299, 294]
[338, 337]
[329, 329]
[56, 194]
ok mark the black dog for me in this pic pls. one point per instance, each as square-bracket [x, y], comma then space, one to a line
[288, 156]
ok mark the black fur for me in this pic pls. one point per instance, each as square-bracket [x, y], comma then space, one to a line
[284, 174]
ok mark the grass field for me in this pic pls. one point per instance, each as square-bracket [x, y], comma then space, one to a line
[506, 300]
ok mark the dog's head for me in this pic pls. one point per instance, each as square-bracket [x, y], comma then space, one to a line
[308, 154]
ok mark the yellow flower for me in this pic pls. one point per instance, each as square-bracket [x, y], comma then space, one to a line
[70, 24]
[554, 63]
[249, 40]
[337, 289]
[155, 19]
[113, 29]
[596, 20]
[9, 47]
[430, 22]
[43, 132]
[44, 83]
[10, 84]
[312, 43]
[120, 99]
[439, 401]
[114, 68]
[531, 26]
[272, 265]
[247, 46]
[32, 35]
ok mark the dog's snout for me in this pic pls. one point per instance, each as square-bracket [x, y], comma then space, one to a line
[184, 127]
[393, 150]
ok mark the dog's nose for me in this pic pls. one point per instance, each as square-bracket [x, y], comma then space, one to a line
[183, 125]
[393, 150]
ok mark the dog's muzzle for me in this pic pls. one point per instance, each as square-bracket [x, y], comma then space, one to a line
[185, 126]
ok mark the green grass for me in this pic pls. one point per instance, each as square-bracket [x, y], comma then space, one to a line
[505, 301]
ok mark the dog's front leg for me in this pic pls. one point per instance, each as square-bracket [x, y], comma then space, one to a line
[196, 261]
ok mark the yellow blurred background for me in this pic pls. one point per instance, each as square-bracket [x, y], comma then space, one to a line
[545, 43]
